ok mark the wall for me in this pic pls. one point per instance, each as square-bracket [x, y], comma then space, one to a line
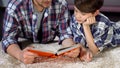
[109, 5]
[2, 10]
[3, 3]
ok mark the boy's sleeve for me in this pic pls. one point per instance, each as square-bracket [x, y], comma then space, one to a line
[103, 35]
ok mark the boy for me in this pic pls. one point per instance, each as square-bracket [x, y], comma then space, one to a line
[92, 29]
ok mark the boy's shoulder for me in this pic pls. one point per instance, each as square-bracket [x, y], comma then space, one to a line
[102, 18]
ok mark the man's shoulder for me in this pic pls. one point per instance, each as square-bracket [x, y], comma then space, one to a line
[58, 5]
[60, 2]
[18, 8]
[18, 3]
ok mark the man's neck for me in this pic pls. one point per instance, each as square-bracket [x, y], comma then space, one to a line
[37, 6]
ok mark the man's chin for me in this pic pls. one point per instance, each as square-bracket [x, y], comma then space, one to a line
[47, 6]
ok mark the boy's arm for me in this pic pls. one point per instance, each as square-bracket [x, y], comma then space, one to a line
[89, 37]
[67, 42]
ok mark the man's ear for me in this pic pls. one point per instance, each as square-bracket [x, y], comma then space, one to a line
[96, 12]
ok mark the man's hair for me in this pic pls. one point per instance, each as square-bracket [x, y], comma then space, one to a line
[88, 6]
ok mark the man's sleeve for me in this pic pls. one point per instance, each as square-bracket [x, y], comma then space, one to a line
[9, 30]
[65, 21]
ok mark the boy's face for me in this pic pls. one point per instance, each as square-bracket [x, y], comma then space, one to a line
[44, 3]
[81, 16]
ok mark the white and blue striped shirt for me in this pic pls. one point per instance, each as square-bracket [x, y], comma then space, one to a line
[105, 32]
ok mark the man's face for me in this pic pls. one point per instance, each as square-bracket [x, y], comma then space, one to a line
[81, 16]
[44, 3]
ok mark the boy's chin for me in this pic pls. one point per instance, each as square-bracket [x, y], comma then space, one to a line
[80, 22]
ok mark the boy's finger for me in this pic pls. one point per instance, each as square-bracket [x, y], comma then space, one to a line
[88, 57]
[83, 58]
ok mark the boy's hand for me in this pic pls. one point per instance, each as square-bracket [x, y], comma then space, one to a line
[85, 55]
[26, 56]
[90, 20]
[73, 53]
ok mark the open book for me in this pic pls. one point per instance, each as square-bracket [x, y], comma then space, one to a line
[48, 53]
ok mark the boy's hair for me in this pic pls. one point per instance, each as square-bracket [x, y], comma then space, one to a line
[88, 6]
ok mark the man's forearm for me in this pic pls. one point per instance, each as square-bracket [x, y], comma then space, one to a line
[14, 50]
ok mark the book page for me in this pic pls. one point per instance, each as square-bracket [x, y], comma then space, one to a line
[66, 49]
[48, 50]
[47, 47]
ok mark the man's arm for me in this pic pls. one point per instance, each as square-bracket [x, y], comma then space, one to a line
[23, 55]
[14, 50]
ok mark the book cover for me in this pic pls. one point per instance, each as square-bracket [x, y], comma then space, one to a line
[50, 53]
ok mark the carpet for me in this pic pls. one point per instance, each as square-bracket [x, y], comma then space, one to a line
[108, 58]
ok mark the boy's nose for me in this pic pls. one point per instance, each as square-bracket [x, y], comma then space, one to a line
[78, 16]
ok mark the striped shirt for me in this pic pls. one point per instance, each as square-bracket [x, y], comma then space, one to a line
[21, 21]
[105, 32]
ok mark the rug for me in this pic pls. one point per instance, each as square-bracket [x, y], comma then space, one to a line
[108, 58]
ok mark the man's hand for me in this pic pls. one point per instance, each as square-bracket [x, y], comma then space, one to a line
[26, 56]
[23, 55]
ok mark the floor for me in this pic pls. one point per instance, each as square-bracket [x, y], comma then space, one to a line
[110, 56]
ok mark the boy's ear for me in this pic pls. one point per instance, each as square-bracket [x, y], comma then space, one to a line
[96, 12]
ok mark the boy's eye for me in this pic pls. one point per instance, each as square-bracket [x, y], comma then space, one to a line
[83, 14]
[75, 10]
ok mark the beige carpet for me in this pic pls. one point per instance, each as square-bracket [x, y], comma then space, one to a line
[107, 59]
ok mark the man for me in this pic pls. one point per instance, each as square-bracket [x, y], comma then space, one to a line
[35, 20]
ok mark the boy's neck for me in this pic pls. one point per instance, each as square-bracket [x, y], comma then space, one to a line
[96, 12]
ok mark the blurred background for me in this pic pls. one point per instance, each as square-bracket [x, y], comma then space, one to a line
[111, 9]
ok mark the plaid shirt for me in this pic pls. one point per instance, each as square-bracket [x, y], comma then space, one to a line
[21, 21]
[105, 32]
